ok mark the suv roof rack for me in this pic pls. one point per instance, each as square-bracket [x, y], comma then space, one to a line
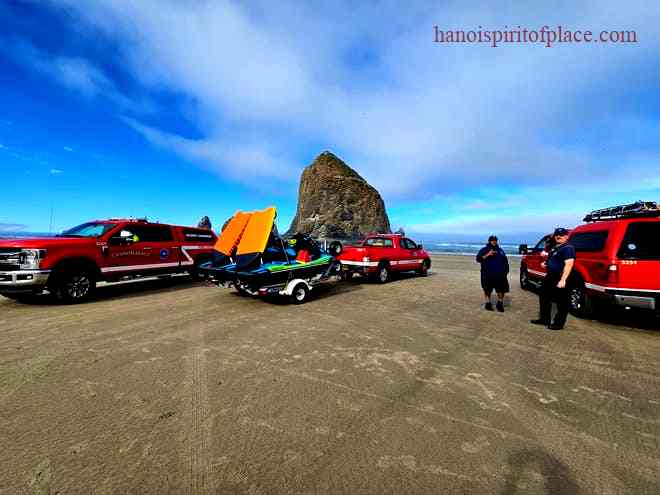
[140, 220]
[637, 209]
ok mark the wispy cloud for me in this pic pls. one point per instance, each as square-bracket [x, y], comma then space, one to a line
[56, 171]
[68, 149]
[12, 227]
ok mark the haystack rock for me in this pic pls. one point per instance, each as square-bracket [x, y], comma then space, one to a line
[334, 202]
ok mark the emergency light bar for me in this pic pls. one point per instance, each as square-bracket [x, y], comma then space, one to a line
[637, 209]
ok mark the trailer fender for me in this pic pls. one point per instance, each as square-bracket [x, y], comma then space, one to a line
[288, 290]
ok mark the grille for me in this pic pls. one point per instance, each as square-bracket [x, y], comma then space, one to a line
[6, 265]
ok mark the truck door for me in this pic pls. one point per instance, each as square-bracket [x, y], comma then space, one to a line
[536, 258]
[639, 257]
[410, 259]
[139, 248]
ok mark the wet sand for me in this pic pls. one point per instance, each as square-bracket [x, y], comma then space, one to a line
[168, 386]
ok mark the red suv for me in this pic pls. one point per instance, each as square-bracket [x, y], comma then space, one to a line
[617, 259]
[69, 264]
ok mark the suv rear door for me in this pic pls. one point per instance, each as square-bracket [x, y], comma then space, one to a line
[639, 255]
[140, 247]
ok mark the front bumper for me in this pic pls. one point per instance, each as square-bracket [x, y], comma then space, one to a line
[23, 280]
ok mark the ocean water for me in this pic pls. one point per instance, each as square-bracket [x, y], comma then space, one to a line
[465, 248]
[444, 246]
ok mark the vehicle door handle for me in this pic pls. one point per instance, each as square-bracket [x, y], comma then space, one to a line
[147, 248]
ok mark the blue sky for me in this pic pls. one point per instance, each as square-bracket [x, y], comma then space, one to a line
[176, 110]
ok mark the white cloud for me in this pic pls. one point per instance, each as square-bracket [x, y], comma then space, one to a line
[68, 149]
[412, 116]
[56, 171]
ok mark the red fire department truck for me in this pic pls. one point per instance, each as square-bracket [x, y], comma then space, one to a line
[617, 259]
[70, 264]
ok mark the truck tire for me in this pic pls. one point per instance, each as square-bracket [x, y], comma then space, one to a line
[580, 303]
[424, 269]
[74, 284]
[300, 294]
[383, 273]
[524, 278]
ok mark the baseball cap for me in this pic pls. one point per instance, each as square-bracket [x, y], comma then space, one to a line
[560, 231]
[492, 238]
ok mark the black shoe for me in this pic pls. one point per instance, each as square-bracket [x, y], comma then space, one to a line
[488, 306]
[552, 326]
[539, 322]
[500, 306]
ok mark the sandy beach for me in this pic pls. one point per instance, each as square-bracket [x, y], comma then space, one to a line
[170, 386]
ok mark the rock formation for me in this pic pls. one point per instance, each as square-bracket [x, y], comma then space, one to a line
[334, 202]
[204, 223]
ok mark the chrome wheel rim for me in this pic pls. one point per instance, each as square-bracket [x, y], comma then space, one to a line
[299, 294]
[78, 286]
[523, 278]
[576, 298]
[383, 274]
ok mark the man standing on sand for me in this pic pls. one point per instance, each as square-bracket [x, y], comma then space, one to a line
[494, 271]
[559, 266]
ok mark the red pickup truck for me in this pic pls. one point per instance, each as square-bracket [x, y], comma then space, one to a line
[380, 255]
[617, 259]
[70, 264]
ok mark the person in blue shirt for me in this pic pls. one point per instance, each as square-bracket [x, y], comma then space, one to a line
[494, 273]
[559, 267]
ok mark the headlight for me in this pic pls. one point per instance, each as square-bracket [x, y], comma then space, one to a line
[29, 259]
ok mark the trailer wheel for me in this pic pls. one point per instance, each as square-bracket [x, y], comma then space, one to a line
[300, 294]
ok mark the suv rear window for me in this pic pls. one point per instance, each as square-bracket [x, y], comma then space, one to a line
[378, 242]
[641, 242]
[198, 235]
[588, 241]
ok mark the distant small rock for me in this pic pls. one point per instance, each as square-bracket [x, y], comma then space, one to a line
[204, 223]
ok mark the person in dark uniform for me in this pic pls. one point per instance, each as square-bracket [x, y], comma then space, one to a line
[494, 272]
[559, 266]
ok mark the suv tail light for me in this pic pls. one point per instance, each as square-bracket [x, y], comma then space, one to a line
[613, 273]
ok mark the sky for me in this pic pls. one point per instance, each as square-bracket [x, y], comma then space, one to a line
[178, 109]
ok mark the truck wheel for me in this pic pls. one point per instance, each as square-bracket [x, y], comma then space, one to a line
[424, 270]
[300, 294]
[383, 274]
[346, 275]
[524, 279]
[580, 303]
[74, 284]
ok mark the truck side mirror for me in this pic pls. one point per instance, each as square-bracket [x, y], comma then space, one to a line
[419, 246]
[523, 249]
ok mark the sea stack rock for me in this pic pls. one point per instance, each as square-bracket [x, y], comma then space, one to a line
[334, 202]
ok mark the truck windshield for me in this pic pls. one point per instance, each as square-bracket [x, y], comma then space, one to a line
[90, 229]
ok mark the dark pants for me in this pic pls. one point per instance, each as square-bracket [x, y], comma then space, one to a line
[549, 293]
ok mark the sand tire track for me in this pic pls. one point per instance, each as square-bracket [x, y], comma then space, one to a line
[199, 434]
